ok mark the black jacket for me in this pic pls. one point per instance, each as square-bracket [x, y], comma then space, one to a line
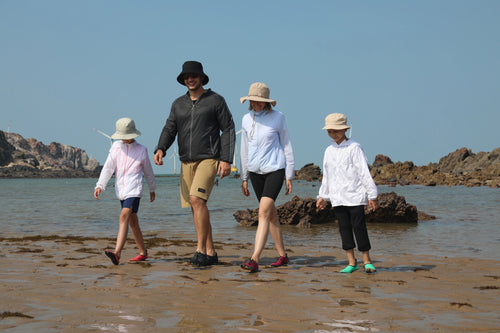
[199, 126]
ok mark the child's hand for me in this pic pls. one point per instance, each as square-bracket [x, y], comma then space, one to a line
[97, 192]
[152, 196]
[320, 204]
[373, 204]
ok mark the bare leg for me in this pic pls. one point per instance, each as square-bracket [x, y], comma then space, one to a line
[137, 233]
[351, 257]
[267, 215]
[366, 257]
[275, 229]
[201, 217]
[123, 231]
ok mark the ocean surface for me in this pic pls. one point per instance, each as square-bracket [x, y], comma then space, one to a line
[466, 224]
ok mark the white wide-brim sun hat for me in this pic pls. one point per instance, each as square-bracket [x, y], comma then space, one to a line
[125, 130]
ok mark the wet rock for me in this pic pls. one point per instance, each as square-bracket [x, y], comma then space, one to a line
[303, 212]
[392, 209]
[309, 172]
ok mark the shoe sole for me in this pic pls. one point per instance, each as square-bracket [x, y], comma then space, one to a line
[136, 260]
[279, 265]
[112, 256]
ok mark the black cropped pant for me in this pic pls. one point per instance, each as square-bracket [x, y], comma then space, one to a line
[352, 221]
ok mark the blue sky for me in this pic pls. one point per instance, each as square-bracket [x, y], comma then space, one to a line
[418, 79]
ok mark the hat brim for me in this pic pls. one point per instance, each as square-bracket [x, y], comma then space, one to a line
[258, 99]
[120, 136]
[336, 127]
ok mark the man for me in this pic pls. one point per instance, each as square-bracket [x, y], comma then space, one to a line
[197, 119]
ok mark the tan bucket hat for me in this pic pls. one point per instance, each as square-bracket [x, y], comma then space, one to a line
[125, 130]
[336, 121]
[258, 92]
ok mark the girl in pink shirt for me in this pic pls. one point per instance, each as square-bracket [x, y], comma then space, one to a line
[128, 161]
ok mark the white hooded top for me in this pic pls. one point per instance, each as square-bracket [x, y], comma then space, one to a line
[346, 178]
[128, 162]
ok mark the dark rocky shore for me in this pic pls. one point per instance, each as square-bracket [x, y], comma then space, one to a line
[461, 167]
[29, 158]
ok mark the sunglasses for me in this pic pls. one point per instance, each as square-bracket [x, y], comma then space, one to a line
[190, 75]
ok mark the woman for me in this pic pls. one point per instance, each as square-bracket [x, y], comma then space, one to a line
[267, 160]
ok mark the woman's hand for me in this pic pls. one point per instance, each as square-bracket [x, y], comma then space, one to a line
[244, 188]
[288, 186]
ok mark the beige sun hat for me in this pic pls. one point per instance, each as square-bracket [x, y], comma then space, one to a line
[336, 121]
[125, 130]
[258, 92]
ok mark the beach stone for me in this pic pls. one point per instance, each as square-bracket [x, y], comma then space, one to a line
[309, 172]
[302, 212]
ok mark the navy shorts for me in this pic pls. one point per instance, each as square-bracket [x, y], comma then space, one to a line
[132, 203]
[267, 185]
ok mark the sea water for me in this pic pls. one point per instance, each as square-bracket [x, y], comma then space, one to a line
[466, 221]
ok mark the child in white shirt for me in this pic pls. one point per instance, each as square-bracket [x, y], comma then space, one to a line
[348, 185]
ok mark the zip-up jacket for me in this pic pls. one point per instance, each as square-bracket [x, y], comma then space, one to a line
[198, 126]
[128, 162]
[265, 144]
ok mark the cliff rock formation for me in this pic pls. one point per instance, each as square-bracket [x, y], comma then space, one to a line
[20, 157]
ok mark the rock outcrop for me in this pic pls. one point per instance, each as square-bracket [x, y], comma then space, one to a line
[27, 158]
[303, 212]
[309, 172]
[461, 167]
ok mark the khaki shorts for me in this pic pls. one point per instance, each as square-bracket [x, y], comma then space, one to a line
[197, 179]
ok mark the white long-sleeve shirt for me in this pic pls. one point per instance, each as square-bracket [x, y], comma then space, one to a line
[265, 144]
[346, 178]
[128, 162]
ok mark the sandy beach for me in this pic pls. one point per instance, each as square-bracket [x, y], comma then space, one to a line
[67, 284]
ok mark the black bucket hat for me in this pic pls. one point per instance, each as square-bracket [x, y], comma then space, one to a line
[194, 67]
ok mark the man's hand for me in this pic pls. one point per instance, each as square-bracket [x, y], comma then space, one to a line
[158, 157]
[224, 169]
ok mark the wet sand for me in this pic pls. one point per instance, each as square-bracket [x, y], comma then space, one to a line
[67, 284]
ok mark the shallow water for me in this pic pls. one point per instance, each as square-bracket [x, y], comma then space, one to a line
[466, 224]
